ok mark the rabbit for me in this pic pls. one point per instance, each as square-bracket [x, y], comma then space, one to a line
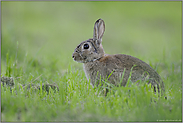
[98, 65]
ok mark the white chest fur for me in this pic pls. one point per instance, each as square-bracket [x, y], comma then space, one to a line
[93, 71]
[86, 72]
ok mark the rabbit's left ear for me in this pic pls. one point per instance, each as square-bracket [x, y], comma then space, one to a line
[98, 32]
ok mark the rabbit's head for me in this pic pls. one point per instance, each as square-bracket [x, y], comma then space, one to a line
[91, 49]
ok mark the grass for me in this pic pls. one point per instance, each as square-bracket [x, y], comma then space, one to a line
[38, 39]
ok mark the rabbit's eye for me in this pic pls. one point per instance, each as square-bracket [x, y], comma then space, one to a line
[86, 46]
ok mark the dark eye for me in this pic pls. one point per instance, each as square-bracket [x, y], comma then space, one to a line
[86, 46]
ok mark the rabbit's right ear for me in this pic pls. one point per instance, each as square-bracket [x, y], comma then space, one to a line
[98, 32]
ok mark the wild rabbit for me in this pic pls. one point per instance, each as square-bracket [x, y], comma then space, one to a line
[98, 65]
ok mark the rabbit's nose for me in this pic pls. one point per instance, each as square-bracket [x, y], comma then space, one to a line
[73, 55]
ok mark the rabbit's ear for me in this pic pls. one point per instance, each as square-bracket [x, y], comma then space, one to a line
[99, 29]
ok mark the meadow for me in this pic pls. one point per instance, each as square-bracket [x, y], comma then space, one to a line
[37, 42]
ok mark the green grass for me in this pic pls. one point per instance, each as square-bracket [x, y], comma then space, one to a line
[38, 39]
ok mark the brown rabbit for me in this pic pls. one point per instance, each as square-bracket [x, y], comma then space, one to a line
[98, 65]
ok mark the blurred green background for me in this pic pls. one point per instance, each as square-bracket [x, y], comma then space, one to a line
[40, 37]
[50, 31]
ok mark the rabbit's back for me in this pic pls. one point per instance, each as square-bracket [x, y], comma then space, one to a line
[113, 66]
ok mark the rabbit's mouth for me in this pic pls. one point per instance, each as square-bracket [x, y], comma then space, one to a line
[81, 59]
[78, 58]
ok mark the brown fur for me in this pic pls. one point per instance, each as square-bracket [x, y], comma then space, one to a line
[98, 65]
